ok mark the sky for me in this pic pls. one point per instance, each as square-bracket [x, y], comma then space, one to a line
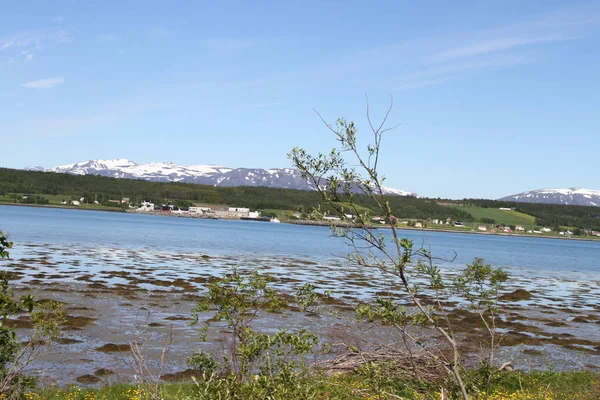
[492, 98]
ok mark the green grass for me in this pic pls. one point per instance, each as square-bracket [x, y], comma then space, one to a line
[544, 385]
[502, 217]
[55, 200]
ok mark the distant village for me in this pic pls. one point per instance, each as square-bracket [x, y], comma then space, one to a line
[209, 211]
[204, 211]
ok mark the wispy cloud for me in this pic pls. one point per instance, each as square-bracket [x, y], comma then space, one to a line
[466, 53]
[44, 83]
[496, 45]
[34, 39]
[437, 74]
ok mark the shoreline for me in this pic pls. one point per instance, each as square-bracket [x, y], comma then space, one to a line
[301, 222]
[2, 203]
[406, 228]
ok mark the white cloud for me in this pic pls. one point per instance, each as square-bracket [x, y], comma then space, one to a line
[495, 45]
[34, 39]
[44, 83]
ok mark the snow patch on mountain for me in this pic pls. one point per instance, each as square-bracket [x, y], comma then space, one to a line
[215, 175]
[570, 196]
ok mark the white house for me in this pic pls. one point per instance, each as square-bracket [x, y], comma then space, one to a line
[505, 209]
[482, 228]
[254, 214]
[239, 209]
[418, 224]
[519, 228]
[331, 218]
[146, 206]
[74, 202]
[546, 230]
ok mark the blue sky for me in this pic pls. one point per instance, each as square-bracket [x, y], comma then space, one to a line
[493, 97]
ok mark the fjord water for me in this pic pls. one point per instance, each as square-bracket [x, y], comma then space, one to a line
[92, 229]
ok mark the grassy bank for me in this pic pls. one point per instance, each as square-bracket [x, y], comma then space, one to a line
[547, 385]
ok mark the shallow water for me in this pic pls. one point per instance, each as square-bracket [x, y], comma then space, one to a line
[152, 264]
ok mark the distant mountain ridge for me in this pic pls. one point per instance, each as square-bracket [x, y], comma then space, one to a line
[571, 196]
[214, 175]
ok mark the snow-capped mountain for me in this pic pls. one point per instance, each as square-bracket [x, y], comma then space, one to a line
[572, 196]
[215, 175]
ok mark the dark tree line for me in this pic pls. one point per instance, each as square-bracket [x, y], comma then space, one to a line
[103, 189]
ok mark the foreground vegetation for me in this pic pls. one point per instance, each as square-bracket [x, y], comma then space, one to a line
[360, 386]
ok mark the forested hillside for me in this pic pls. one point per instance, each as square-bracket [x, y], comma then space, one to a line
[102, 189]
[548, 214]
[260, 198]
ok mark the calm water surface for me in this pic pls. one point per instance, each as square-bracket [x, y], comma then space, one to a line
[63, 227]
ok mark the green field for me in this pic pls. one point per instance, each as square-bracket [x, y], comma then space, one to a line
[502, 216]
[55, 200]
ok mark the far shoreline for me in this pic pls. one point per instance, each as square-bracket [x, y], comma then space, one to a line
[308, 223]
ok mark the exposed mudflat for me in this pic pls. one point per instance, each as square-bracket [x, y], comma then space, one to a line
[115, 297]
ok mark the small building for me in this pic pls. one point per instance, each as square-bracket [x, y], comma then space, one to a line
[519, 228]
[254, 214]
[146, 206]
[459, 224]
[482, 228]
[506, 209]
[239, 209]
[125, 200]
[546, 230]
[74, 203]
[418, 224]
[200, 210]
[331, 218]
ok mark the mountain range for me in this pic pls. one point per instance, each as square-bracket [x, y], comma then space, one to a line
[288, 178]
[572, 196]
[215, 175]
